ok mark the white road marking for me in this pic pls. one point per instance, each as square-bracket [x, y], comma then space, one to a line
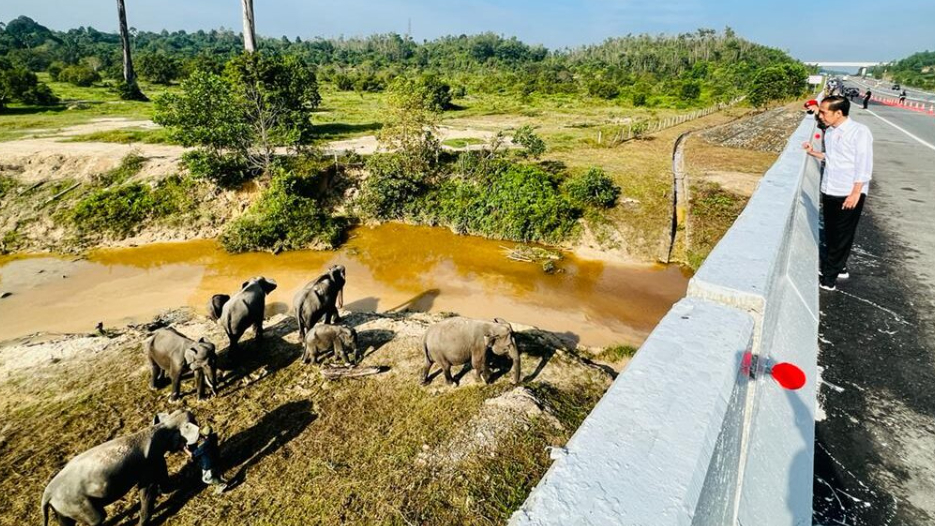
[927, 144]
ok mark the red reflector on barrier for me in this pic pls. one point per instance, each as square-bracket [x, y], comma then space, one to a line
[789, 376]
[818, 136]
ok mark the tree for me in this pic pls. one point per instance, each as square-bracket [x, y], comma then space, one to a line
[159, 67]
[19, 84]
[533, 145]
[130, 89]
[204, 112]
[409, 126]
[249, 26]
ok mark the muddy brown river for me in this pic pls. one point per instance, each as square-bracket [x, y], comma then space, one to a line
[391, 267]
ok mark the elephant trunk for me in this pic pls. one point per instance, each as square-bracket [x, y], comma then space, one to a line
[341, 298]
[211, 374]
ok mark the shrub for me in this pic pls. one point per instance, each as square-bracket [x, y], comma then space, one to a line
[285, 217]
[130, 165]
[603, 89]
[225, 170]
[690, 91]
[391, 186]
[115, 211]
[158, 67]
[518, 202]
[343, 82]
[533, 145]
[593, 188]
[79, 75]
[55, 69]
[18, 83]
[639, 98]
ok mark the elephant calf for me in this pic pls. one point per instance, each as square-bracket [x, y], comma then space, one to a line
[324, 337]
[105, 473]
[456, 341]
[171, 352]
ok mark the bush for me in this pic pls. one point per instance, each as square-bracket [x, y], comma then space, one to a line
[225, 170]
[79, 75]
[130, 165]
[690, 91]
[55, 69]
[115, 211]
[390, 188]
[603, 89]
[129, 91]
[593, 188]
[533, 145]
[639, 98]
[18, 83]
[343, 82]
[158, 67]
[519, 202]
[285, 217]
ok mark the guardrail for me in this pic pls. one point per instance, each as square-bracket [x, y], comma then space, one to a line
[694, 432]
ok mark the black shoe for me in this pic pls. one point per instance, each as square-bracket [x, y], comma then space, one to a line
[844, 274]
[826, 284]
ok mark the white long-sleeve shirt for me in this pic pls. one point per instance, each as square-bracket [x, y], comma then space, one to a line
[848, 158]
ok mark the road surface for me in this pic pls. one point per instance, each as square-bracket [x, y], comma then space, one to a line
[875, 446]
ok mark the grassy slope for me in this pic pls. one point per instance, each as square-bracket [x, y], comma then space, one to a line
[310, 451]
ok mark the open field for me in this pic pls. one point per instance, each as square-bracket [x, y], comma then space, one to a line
[301, 449]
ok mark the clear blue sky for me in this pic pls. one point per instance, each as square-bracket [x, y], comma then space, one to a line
[864, 29]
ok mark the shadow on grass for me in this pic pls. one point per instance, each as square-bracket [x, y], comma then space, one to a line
[31, 110]
[332, 130]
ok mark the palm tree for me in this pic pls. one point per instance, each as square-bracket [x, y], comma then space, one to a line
[249, 27]
[129, 76]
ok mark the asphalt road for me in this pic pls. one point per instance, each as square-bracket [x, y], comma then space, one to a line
[886, 88]
[875, 446]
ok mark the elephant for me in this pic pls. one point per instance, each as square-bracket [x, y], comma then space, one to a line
[243, 309]
[320, 299]
[216, 305]
[105, 473]
[325, 336]
[171, 352]
[457, 340]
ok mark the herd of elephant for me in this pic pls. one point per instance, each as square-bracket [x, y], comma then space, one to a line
[105, 473]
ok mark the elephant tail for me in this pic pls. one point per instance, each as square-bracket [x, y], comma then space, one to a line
[46, 497]
[425, 348]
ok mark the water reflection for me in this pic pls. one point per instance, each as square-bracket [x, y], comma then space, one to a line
[390, 267]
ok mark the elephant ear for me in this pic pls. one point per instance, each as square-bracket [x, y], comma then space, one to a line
[190, 354]
[502, 321]
[160, 418]
[268, 285]
[189, 432]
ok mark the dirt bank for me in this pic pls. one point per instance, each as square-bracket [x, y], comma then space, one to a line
[380, 449]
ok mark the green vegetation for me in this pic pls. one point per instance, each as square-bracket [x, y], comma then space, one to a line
[917, 70]
[7, 183]
[19, 84]
[286, 217]
[533, 145]
[780, 82]
[713, 211]
[593, 188]
[462, 142]
[616, 353]
[117, 209]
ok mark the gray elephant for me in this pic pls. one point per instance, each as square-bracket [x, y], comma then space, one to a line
[456, 341]
[242, 310]
[319, 299]
[172, 353]
[105, 473]
[323, 337]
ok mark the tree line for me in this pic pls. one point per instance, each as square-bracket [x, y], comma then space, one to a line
[916, 70]
[657, 70]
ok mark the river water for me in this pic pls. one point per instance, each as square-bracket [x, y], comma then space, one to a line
[391, 267]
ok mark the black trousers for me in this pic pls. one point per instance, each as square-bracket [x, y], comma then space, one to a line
[839, 227]
[866, 101]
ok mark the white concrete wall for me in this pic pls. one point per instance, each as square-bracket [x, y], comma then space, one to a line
[684, 436]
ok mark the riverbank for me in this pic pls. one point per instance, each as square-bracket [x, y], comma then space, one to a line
[380, 449]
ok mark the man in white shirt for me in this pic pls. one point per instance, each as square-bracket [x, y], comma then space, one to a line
[848, 160]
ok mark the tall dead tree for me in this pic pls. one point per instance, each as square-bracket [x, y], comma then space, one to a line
[129, 76]
[249, 26]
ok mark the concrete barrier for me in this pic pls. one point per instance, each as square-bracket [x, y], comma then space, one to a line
[695, 432]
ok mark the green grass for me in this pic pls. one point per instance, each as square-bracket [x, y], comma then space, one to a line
[462, 142]
[615, 353]
[125, 136]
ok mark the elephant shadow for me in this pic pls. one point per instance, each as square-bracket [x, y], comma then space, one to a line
[368, 304]
[421, 302]
[242, 451]
[541, 345]
[271, 353]
[372, 340]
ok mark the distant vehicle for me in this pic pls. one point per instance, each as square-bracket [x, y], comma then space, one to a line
[846, 77]
[896, 87]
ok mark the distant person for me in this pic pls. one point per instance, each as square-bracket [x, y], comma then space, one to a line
[902, 97]
[867, 98]
[848, 160]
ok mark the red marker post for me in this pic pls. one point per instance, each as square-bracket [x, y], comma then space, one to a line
[788, 376]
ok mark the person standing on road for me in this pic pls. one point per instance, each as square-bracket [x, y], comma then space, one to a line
[902, 97]
[848, 160]
[867, 98]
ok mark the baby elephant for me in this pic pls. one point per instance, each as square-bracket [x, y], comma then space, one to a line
[323, 337]
[171, 352]
[456, 341]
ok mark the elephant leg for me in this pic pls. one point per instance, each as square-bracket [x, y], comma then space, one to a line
[88, 513]
[305, 357]
[335, 315]
[176, 386]
[258, 328]
[147, 498]
[65, 521]
[339, 351]
[200, 384]
[156, 370]
[425, 371]
[446, 368]
[479, 364]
